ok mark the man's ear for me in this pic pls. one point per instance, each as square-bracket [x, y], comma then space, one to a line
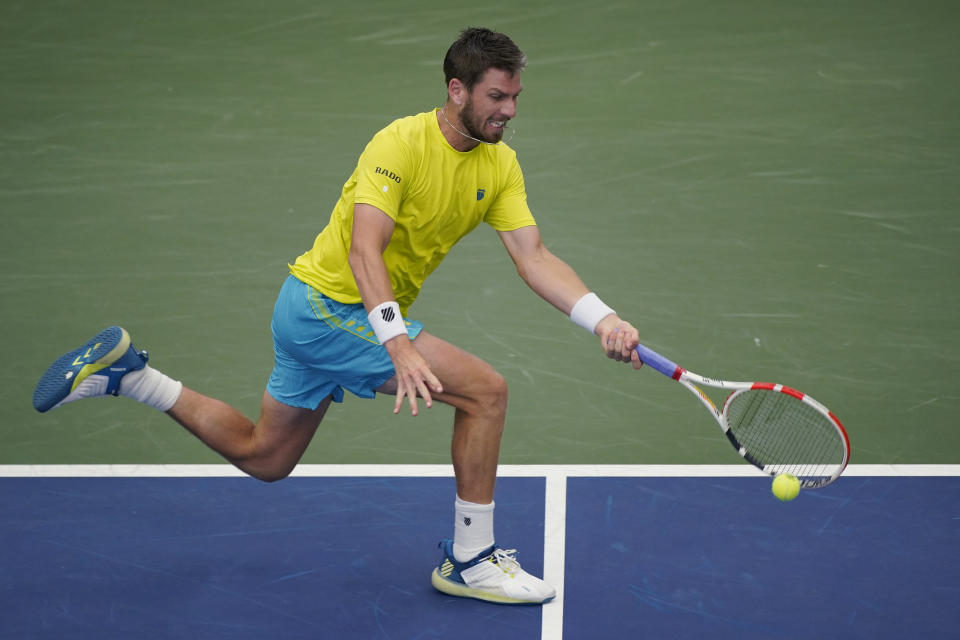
[457, 91]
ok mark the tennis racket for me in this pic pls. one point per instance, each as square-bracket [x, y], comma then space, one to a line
[775, 428]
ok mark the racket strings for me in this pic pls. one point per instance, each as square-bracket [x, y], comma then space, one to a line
[781, 432]
[796, 443]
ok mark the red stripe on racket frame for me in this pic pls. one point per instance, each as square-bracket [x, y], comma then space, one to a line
[792, 392]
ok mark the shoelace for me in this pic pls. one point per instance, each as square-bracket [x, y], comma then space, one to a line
[506, 560]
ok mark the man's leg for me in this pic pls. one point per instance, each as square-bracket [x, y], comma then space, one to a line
[108, 364]
[268, 449]
[479, 397]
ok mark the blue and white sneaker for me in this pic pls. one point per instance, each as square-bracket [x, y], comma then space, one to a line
[494, 575]
[95, 369]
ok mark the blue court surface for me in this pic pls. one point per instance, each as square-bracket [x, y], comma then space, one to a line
[350, 557]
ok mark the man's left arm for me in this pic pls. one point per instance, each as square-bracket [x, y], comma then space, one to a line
[557, 283]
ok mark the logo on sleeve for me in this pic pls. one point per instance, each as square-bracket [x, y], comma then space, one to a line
[386, 173]
[480, 193]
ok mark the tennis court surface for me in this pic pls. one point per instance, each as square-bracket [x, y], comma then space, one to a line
[767, 190]
[645, 552]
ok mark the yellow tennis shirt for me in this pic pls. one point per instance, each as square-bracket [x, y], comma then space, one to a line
[435, 194]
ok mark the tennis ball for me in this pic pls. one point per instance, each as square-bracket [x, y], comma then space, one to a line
[786, 487]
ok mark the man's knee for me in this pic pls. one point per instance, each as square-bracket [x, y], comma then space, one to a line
[267, 471]
[272, 475]
[491, 395]
[279, 439]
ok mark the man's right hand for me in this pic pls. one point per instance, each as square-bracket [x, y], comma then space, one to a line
[413, 374]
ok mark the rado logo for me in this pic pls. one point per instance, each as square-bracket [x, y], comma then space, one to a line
[388, 174]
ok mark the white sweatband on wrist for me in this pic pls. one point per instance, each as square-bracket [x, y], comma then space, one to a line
[589, 311]
[386, 321]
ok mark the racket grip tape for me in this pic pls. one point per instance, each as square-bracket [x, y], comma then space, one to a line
[656, 361]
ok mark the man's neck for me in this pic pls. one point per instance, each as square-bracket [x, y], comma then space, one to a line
[448, 118]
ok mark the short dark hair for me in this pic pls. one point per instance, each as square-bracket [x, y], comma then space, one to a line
[478, 49]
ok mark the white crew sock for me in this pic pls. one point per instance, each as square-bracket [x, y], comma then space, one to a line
[472, 529]
[151, 387]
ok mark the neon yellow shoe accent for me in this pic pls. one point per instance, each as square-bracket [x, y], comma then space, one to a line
[446, 568]
[457, 589]
[95, 369]
[79, 359]
[103, 362]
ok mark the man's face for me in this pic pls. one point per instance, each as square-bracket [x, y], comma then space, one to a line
[491, 104]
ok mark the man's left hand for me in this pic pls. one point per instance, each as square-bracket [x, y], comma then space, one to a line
[619, 339]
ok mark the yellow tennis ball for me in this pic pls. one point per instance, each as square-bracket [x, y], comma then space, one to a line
[786, 487]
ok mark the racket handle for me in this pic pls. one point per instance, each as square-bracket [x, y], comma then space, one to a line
[653, 359]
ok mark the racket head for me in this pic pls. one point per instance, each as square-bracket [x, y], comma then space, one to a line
[781, 430]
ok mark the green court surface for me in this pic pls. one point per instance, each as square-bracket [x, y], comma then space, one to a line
[768, 190]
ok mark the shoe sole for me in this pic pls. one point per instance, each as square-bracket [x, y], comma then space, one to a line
[452, 588]
[74, 367]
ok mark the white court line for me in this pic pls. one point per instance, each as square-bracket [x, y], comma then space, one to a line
[555, 499]
[554, 553]
[446, 470]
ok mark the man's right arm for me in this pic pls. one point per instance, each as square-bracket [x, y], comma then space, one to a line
[372, 229]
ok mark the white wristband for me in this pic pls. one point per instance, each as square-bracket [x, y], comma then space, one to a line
[386, 321]
[589, 311]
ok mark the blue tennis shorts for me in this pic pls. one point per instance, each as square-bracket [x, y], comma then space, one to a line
[322, 347]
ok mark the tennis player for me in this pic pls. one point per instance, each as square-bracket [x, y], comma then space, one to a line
[340, 321]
